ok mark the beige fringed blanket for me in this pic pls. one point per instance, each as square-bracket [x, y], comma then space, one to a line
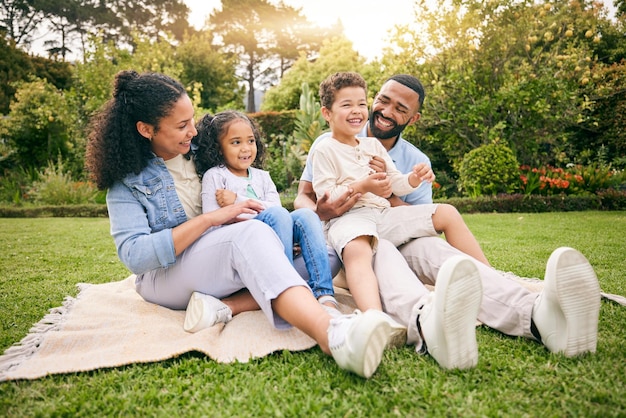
[110, 325]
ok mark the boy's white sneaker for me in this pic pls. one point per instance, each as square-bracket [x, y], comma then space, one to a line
[357, 341]
[204, 311]
[567, 310]
[448, 319]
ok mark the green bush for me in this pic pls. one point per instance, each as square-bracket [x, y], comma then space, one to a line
[488, 170]
[56, 187]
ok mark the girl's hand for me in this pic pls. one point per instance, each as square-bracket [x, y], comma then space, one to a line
[421, 172]
[231, 213]
[225, 197]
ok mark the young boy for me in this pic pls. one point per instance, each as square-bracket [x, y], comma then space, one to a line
[344, 162]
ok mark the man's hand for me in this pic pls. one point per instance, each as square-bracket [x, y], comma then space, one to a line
[327, 210]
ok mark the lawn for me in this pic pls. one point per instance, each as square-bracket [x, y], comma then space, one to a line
[45, 258]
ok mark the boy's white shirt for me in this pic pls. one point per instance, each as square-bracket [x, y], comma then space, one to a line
[337, 165]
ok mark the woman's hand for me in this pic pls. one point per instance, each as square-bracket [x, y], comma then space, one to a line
[235, 212]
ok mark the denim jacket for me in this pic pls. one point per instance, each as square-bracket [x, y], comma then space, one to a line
[143, 209]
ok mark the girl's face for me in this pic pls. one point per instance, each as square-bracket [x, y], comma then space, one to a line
[238, 147]
[347, 114]
[175, 131]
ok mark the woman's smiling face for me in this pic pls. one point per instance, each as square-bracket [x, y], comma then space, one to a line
[174, 133]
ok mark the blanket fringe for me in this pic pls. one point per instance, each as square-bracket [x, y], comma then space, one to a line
[15, 355]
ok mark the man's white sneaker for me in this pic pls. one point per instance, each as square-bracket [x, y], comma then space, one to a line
[204, 311]
[567, 310]
[448, 320]
[357, 341]
[397, 333]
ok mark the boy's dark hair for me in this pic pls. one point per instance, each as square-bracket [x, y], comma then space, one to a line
[335, 82]
[208, 153]
[411, 82]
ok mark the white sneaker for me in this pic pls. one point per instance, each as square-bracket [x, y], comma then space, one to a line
[567, 310]
[204, 311]
[357, 341]
[448, 320]
[397, 336]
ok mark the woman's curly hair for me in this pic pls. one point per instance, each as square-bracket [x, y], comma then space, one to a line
[115, 148]
[210, 129]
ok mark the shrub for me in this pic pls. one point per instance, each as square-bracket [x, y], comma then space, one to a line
[488, 170]
[56, 187]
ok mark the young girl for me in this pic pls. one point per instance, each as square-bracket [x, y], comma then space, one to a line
[229, 156]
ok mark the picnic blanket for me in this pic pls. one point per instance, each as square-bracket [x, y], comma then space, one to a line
[110, 325]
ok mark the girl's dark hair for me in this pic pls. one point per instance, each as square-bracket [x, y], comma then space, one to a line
[115, 148]
[210, 128]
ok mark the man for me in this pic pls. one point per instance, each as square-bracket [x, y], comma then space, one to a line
[564, 317]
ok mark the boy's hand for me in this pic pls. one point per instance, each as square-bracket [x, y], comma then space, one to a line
[421, 172]
[377, 183]
[225, 197]
[378, 165]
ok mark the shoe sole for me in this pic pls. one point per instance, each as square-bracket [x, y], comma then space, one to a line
[578, 294]
[376, 331]
[458, 302]
[193, 313]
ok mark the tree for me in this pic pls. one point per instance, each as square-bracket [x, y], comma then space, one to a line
[19, 19]
[336, 54]
[203, 63]
[242, 27]
[40, 126]
[512, 71]
[266, 38]
[113, 19]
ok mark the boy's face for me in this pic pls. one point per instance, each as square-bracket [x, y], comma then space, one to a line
[347, 114]
[238, 146]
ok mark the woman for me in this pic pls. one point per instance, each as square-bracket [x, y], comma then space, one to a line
[140, 150]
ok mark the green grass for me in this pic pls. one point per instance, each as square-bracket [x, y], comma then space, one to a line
[43, 259]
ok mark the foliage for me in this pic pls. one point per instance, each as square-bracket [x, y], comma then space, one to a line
[336, 54]
[488, 170]
[521, 71]
[202, 63]
[16, 65]
[55, 186]
[607, 200]
[72, 21]
[257, 32]
[274, 123]
[602, 125]
[14, 184]
[309, 120]
[285, 160]
[42, 125]
[575, 179]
